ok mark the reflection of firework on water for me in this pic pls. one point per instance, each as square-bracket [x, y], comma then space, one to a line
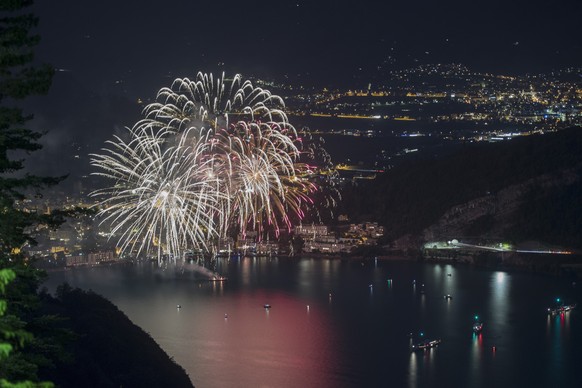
[234, 167]
[163, 199]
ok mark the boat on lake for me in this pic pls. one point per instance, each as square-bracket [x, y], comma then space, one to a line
[561, 309]
[477, 327]
[426, 345]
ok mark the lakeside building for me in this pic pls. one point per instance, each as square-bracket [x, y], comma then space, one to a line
[312, 230]
[318, 238]
[93, 258]
[225, 245]
[368, 230]
[267, 248]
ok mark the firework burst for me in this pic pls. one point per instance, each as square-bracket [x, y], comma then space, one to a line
[212, 157]
[163, 199]
[262, 176]
[212, 102]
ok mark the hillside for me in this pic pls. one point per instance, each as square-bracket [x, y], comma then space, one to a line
[107, 349]
[525, 189]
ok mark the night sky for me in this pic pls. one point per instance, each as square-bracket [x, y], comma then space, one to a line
[140, 43]
[111, 52]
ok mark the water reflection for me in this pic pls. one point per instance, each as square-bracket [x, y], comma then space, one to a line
[245, 273]
[477, 358]
[451, 282]
[280, 342]
[412, 370]
[558, 334]
[217, 288]
[321, 331]
[428, 364]
[500, 285]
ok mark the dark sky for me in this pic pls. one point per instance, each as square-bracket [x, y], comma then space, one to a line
[111, 52]
[141, 42]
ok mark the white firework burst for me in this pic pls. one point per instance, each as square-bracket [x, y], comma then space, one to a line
[163, 199]
[211, 157]
[260, 173]
[212, 102]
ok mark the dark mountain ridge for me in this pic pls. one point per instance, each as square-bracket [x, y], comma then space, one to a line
[530, 185]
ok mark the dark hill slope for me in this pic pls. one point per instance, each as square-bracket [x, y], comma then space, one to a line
[109, 350]
[414, 196]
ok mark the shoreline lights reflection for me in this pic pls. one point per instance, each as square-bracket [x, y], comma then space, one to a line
[326, 329]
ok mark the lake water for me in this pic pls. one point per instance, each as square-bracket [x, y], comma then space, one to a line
[346, 323]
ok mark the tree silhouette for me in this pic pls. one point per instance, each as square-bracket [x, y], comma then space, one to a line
[19, 282]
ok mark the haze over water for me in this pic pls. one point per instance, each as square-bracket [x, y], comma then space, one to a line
[342, 323]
